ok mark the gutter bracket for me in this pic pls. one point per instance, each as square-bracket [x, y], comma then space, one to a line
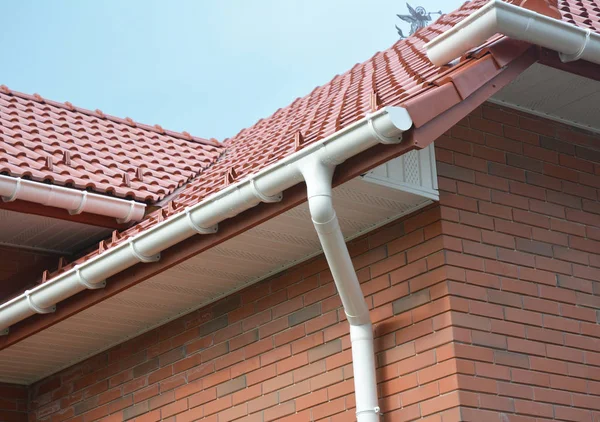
[139, 256]
[14, 195]
[79, 209]
[85, 283]
[565, 58]
[36, 308]
[197, 228]
[4, 332]
[263, 197]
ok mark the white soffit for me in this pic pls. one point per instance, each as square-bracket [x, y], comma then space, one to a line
[47, 234]
[392, 190]
[554, 94]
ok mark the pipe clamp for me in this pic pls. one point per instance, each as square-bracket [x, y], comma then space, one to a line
[375, 410]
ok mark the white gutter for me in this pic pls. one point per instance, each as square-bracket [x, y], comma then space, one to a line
[313, 164]
[74, 201]
[571, 42]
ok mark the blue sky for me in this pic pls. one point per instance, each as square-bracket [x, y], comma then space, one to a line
[211, 68]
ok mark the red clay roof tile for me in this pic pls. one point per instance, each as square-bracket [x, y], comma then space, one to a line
[58, 143]
[389, 78]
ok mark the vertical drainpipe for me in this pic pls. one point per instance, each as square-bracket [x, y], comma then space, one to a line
[318, 177]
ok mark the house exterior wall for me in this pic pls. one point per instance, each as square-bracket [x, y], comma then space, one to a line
[13, 403]
[485, 308]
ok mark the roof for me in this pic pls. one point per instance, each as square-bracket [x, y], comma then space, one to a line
[58, 143]
[399, 76]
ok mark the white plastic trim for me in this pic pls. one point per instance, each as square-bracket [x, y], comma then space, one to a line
[72, 200]
[498, 17]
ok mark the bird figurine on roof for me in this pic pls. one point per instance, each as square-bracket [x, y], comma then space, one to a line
[418, 18]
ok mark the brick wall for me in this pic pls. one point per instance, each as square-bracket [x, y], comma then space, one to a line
[13, 403]
[484, 308]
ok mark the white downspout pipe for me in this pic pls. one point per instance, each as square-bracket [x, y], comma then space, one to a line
[318, 175]
[497, 17]
[72, 200]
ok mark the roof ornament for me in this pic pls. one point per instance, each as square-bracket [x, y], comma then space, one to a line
[69, 106]
[418, 18]
[4, 89]
[186, 135]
